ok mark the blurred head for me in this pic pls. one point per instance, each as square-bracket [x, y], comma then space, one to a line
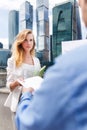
[83, 6]
[23, 42]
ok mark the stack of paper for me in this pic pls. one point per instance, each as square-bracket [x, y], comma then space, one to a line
[33, 82]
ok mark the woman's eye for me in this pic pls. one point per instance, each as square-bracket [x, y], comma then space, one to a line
[31, 39]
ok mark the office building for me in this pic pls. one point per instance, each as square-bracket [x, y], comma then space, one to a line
[13, 26]
[26, 16]
[1, 45]
[4, 55]
[66, 25]
[43, 47]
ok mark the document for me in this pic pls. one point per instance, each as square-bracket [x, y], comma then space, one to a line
[33, 82]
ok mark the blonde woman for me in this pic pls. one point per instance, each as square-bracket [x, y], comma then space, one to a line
[22, 64]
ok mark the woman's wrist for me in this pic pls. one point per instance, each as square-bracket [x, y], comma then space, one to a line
[30, 89]
[13, 85]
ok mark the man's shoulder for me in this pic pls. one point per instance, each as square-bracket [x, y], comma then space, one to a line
[77, 53]
[74, 59]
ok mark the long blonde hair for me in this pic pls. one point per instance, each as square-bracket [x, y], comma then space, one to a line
[17, 49]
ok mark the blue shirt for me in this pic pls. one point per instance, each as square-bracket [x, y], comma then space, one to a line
[61, 102]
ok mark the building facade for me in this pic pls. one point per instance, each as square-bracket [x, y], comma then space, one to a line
[26, 16]
[13, 26]
[66, 25]
[4, 55]
[42, 19]
[1, 45]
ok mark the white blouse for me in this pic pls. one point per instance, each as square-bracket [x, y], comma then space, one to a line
[24, 71]
[13, 73]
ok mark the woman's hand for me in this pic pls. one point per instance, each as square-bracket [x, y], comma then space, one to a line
[14, 84]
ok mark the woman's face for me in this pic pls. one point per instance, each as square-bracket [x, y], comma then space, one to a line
[28, 43]
[83, 5]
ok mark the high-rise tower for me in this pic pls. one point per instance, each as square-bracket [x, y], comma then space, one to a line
[66, 25]
[26, 16]
[13, 24]
[42, 9]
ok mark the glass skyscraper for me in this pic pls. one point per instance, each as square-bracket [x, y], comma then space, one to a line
[66, 25]
[4, 55]
[42, 9]
[1, 45]
[13, 26]
[26, 16]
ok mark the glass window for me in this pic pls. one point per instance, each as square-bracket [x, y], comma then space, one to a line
[41, 28]
[47, 43]
[40, 43]
[40, 14]
[61, 26]
[46, 28]
[45, 13]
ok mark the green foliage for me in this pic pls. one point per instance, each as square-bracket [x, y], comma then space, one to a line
[42, 70]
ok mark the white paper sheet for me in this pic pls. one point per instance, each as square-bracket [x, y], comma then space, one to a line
[33, 82]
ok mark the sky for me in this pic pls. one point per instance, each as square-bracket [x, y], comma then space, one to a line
[7, 5]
